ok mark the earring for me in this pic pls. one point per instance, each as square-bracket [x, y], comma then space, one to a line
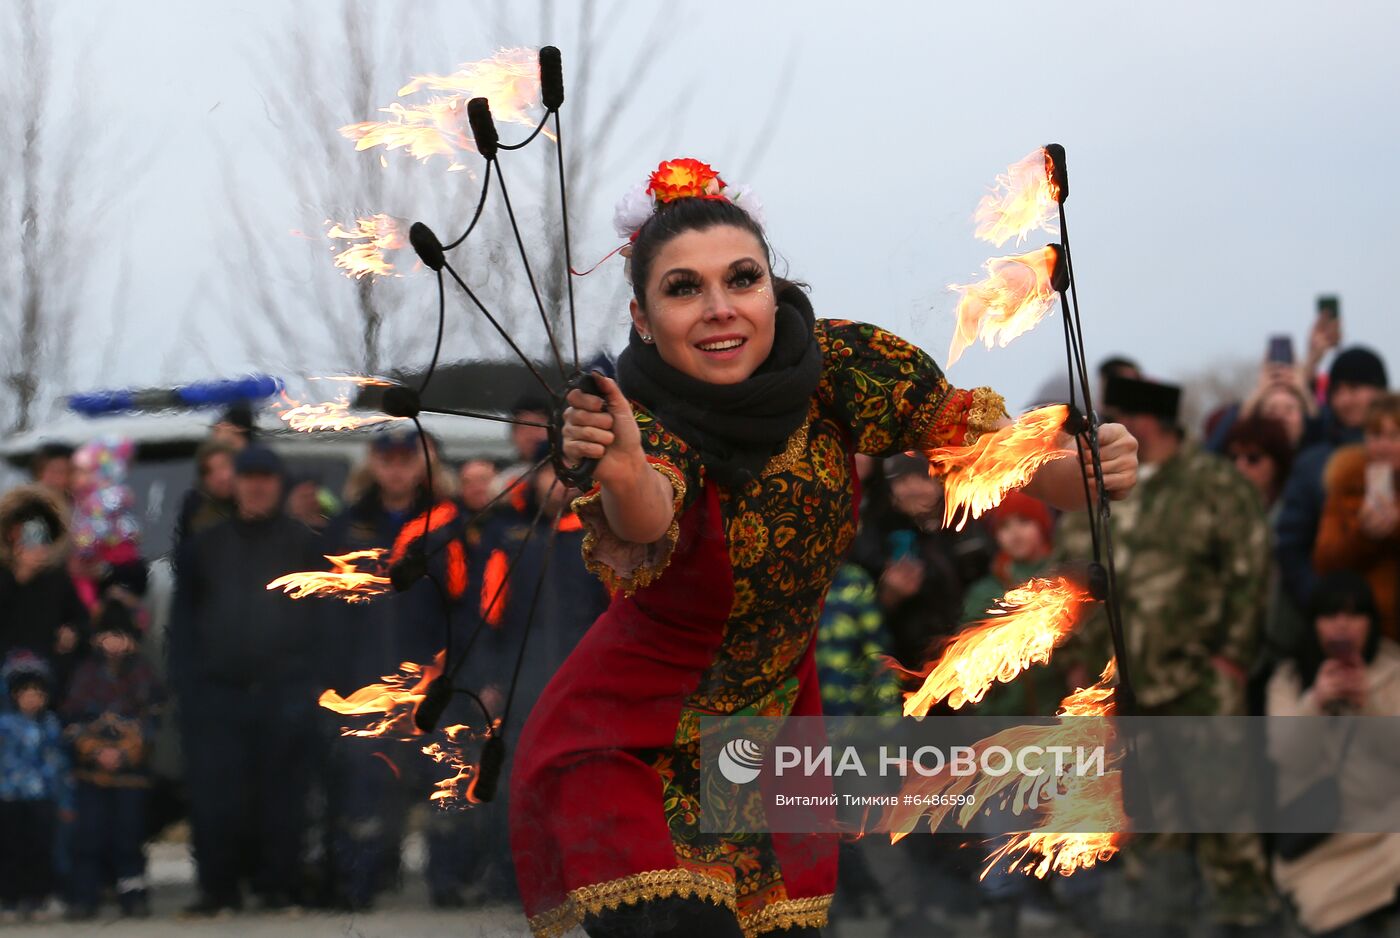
[645, 337]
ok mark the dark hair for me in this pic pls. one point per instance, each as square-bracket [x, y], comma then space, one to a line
[1339, 591]
[1268, 437]
[675, 218]
[240, 415]
[1117, 365]
[208, 450]
[115, 616]
[47, 453]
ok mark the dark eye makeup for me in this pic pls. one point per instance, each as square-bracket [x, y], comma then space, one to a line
[742, 275]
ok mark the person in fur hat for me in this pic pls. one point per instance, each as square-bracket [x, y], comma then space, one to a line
[39, 609]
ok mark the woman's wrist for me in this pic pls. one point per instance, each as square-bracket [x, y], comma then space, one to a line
[628, 479]
[638, 503]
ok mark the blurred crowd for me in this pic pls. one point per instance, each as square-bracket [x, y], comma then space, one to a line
[1259, 572]
[281, 808]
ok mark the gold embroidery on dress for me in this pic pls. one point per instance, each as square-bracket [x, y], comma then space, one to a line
[792, 452]
[788, 913]
[629, 890]
[645, 570]
[986, 409]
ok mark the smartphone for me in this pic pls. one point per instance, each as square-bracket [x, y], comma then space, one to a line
[1329, 307]
[1343, 651]
[902, 545]
[35, 533]
[1280, 350]
[1380, 483]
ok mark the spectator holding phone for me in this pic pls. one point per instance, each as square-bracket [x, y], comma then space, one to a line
[1360, 527]
[1346, 884]
[1282, 393]
[928, 567]
[1323, 338]
[1357, 377]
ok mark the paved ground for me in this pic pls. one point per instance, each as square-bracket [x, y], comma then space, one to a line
[403, 921]
[407, 914]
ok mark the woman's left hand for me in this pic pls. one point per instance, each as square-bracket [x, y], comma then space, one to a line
[1118, 451]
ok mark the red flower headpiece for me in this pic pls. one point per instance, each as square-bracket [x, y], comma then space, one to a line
[685, 178]
[682, 178]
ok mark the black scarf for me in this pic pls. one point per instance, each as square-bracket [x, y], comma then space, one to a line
[736, 428]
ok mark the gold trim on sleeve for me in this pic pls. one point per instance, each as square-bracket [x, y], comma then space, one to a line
[630, 890]
[622, 565]
[986, 409]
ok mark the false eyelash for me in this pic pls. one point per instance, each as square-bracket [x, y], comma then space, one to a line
[681, 282]
[752, 271]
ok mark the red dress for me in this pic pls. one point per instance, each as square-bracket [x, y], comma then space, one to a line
[717, 617]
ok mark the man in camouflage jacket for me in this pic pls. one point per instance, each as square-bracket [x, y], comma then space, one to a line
[1191, 549]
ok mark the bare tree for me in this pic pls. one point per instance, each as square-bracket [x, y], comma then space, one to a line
[295, 309]
[305, 314]
[595, 113]
[49, 244]
[1222, 382]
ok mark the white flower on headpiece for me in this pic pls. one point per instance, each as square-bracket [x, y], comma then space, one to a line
[632, 211]
[744, 197]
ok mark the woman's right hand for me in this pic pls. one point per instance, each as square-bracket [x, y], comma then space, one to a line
[1379, 518]
[603, 428]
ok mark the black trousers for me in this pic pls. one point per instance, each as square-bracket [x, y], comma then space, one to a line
[26, 861]
[677, 918]
[109, 841]
[248, 779]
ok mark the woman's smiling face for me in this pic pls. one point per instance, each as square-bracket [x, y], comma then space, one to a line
[710, 306]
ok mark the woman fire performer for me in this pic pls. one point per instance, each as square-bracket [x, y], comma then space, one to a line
[725, 497]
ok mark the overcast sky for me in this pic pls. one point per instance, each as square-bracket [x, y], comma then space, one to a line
[1228, 162]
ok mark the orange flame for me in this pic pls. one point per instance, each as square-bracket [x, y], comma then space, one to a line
[510, 79]
[1011, 301]
[458, 789]
[1022, 201]
[346, 581]
[1028, 625]
[327, 415]
[376, 237]
[1069, 802]
[976, 478]
[394, 700]
[1042, 852]
[1095, 802]
[1095, 700]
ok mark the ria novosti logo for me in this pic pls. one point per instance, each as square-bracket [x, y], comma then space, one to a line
[741, 760]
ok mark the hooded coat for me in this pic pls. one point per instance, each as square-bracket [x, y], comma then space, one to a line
[33, 612]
